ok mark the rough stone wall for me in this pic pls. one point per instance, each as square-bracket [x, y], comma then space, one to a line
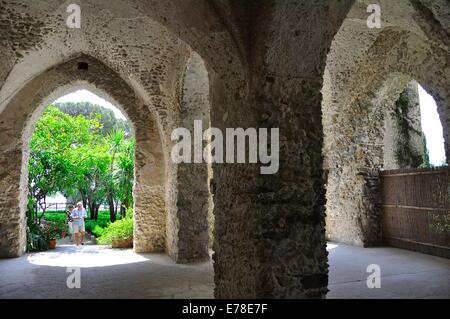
[192, 207]
[367, 69]
[266, 63]
[403, 143]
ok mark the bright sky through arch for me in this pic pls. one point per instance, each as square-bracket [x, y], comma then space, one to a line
[432, 127]
[87, 96]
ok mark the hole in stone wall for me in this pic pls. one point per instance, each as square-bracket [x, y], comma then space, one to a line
[83, 66]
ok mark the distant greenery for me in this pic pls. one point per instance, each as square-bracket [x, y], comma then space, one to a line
[71, 154]
[426, 154]
[82, 151]
[102, 228]
[106, 117]
[94, 227]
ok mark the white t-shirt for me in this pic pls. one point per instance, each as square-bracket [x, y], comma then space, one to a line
[80, 214]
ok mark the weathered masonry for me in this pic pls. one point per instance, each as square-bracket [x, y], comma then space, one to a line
[313, 69]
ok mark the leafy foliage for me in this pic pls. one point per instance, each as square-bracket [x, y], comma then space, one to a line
[36, 240]
[86, 154]
[54, 165]
[94, 227]
[118, 231]
[51, 230]
[72, 155]
[106, 117]
[426, 154]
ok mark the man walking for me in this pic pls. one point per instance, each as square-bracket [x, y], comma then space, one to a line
[79, 215]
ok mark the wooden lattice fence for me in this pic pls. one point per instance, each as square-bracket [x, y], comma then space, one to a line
[416, 210]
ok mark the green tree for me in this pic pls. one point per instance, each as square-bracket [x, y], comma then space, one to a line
[72, 155]
[56, 137]
[115, 140]
[106, 117]
[125, 175]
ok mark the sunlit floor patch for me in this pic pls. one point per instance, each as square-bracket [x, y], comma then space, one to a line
[331, 246]
[85, 257]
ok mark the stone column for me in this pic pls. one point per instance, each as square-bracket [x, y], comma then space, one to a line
[442, 99]
[149, 185]
[270, 238]
[403, 142]
[192, 202]
[12, 199]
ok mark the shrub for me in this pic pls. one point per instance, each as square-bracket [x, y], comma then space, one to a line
[51, 230]
[98, 231]
[121, 230]
[36, 239]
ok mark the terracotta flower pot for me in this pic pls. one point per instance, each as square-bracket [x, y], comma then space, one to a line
[123, 243]
[52, 243]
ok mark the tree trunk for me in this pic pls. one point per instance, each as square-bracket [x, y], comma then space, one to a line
[44, 208]
[126, 202]
[84, 197]
[97, 207]
[91, 206]
[112, 211]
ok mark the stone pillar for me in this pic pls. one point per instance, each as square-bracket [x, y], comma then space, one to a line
[269, 232]
[12, 197]
[149, 186]
[13, 185]
[443, 107]
[234, 188]
[193, 196]
[403, 141]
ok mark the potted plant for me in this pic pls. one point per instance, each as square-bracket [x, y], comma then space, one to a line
[51, 232]
[63, 227]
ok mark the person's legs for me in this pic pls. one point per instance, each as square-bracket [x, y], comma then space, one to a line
[70, 231]
[77, 233]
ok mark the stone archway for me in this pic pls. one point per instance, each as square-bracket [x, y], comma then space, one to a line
[354, 117]
[267, 65]
[17, 124]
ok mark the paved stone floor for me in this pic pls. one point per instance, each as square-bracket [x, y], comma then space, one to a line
[112, 273]
[404, 274]
[105, 273]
